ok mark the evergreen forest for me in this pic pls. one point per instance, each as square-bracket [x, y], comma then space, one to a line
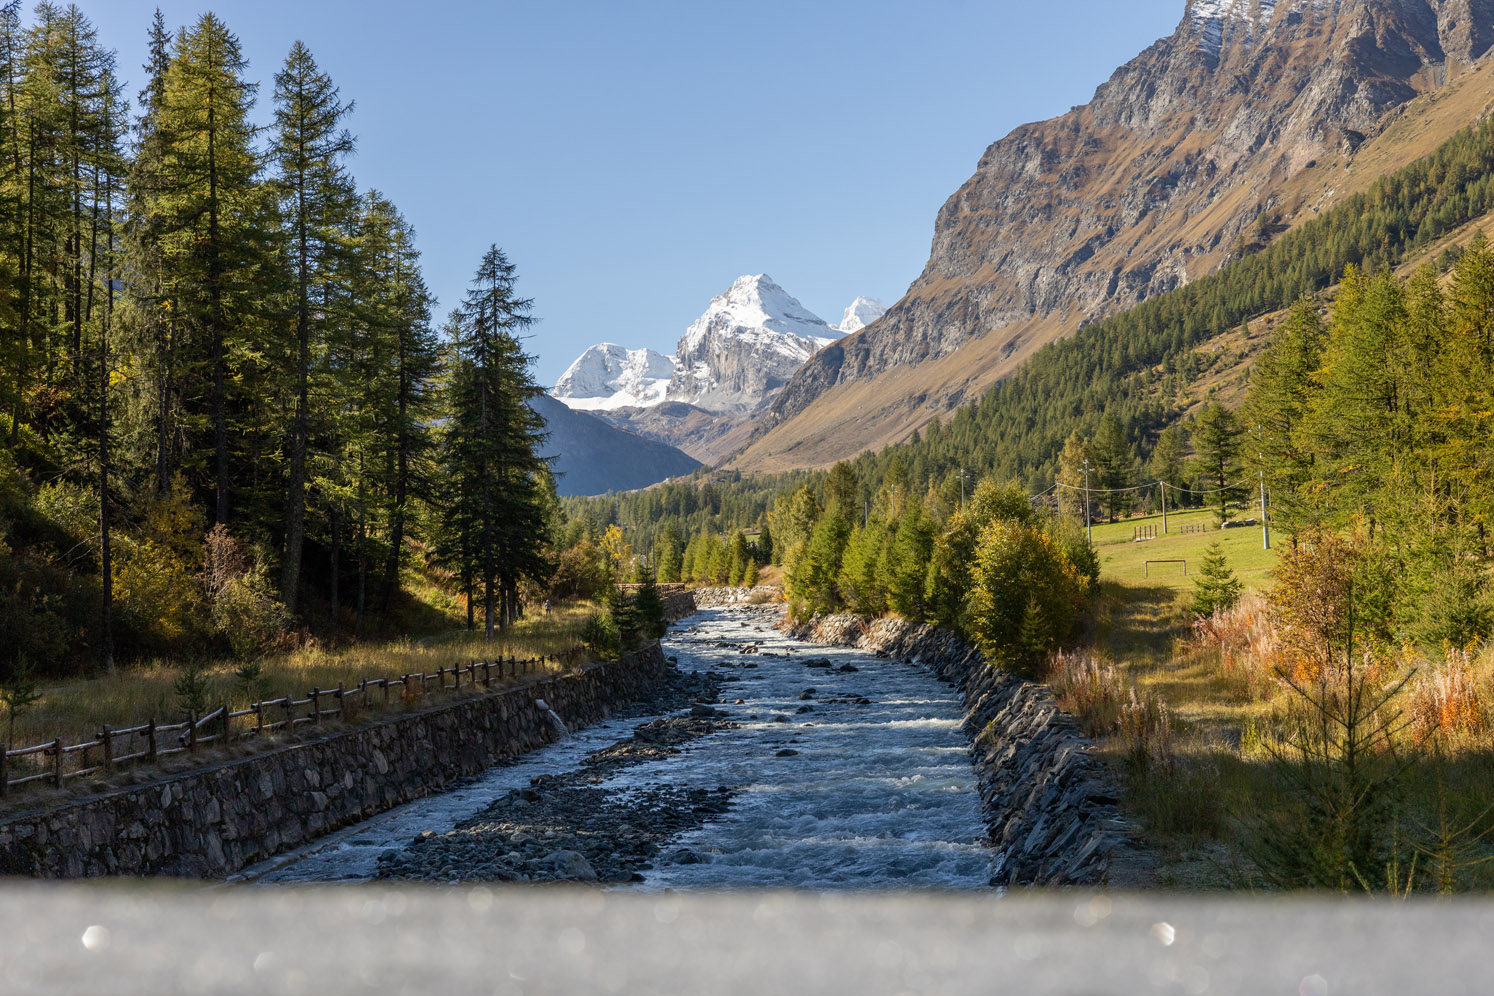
[225, 405]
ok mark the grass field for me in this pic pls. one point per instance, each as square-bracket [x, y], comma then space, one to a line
[1124, 560]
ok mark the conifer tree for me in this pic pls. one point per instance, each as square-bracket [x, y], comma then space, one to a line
[1169, 462]
[1116, 465]
[1216, 586]
[1281, 391]
[206, 215]
[1216, 437]
[1072, 479]
[496, 478]
[317, 199]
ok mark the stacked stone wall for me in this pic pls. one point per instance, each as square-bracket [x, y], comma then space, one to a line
[210, 822]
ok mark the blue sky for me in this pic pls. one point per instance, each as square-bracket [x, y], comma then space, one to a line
[634, 158]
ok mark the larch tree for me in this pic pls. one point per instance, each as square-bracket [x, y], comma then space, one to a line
[211, 227]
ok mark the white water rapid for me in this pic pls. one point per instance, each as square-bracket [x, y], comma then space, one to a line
[876, 794]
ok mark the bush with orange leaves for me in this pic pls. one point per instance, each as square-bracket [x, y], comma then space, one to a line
[1320, 592]
[1445, 698]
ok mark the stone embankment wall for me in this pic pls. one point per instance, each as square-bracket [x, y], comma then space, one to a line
[710, 598]
[213, 821]
[678, 605]
[1051, 805]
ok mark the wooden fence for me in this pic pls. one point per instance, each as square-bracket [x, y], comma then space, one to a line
[1197, 527]
[112, 748]
[1139, 533]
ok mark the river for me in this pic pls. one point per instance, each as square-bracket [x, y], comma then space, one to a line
[851, 776]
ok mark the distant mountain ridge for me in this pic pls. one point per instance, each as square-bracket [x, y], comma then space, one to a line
[1184, 158]
[592, 457]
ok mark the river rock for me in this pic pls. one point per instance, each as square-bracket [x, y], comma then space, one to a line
[571, 866]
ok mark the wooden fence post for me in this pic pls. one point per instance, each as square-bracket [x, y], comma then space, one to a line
[57, 762]
[290, 713]
[456, 679]
[108, 738]
[227, 725]
[4, 770]
[191, 731]
[150, 740]
[487, 674]
[259, 719]
[385, 683]
[316, 705]
[342, 703]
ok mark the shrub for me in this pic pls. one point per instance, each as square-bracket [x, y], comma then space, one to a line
[601, 636]
[1025, 594]
[1245, 640]
[247, 614]
[1445, 699]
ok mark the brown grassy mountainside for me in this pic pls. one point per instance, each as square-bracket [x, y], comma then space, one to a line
[1250, 118]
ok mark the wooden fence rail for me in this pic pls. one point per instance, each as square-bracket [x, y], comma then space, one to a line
[152, 741]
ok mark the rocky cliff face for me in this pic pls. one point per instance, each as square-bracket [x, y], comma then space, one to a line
[1165, 174]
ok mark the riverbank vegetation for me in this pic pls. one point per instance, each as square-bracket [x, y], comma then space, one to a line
[1329, 729]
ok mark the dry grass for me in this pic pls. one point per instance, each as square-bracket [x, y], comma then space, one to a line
[1227, 712]
[76, 710]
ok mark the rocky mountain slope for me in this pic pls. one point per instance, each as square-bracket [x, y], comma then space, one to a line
[1198, 149]
[592, 457]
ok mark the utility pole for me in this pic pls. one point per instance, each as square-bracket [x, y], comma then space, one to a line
[1089, 530]
[1265, 527]
[1164, 507]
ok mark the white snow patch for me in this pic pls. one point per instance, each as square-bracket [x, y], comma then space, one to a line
[609, 376]
[860, 313]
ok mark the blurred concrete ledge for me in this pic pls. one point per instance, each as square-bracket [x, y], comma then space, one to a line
[121, 937]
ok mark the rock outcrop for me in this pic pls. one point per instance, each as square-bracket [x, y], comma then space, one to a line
[745, 347]
[1168, 172]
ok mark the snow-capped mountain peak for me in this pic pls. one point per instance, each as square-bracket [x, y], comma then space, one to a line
[609, 376]
[746, 345]
[860, 313]
[755, 304]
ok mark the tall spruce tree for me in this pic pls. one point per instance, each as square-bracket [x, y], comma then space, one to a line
[207, 217]
[1281, 391]
[317, 198]
[496, 479]
[1216, 439]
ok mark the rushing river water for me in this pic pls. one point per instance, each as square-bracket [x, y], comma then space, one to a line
[870, 786]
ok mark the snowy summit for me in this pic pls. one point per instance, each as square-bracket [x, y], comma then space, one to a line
[860, 313]
[609, 376]
[745, 346]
